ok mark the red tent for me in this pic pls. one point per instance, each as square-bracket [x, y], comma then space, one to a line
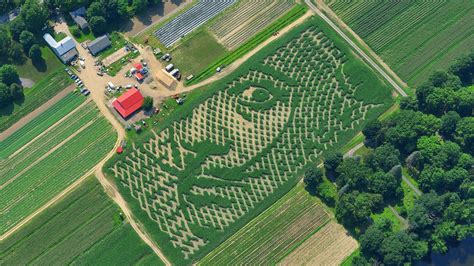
[138, 66]
[129, 102]
[119, 150]
[139, 76]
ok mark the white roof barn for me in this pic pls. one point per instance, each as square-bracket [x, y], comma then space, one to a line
[62, 47]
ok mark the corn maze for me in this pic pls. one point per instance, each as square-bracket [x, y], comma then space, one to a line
[196, 179]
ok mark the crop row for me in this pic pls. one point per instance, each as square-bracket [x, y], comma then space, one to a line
[255, 25]
[84, 223]
[36, 149]
[241, 13]
[39, 124]
[296, 214]
[54, 173]
[377, 17]
[406, 21]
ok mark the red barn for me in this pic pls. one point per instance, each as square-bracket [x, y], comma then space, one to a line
[129, 102]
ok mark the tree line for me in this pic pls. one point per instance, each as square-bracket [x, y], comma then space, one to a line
[10, 85]
[101, 13]
[21, 37]
[433, 137]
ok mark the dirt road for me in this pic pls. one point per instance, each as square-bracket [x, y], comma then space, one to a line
[118, 199]
[367, 58]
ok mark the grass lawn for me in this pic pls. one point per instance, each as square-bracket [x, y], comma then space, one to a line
[84, 36]
[196, 53]
[388, 214]
[58, 36]
[34, 97]
[40, 70]
[117, 41]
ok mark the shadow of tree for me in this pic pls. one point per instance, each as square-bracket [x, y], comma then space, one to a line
[40, 64]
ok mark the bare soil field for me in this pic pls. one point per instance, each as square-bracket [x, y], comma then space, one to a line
[329, 246]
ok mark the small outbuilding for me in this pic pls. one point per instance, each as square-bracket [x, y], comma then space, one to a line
[78, 16]
[129, 102]
[99, 44]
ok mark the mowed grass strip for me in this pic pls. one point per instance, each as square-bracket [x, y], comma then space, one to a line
[34, 97]
[84, 228]
[270, 235]
[43, 169]
[40, 124]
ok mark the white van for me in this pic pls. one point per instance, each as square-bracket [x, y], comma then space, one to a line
[111, 85]
[169, 67]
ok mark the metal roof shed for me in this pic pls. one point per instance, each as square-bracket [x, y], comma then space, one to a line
[99, 44]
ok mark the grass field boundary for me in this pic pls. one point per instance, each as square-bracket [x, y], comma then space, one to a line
[348, 260]
[292, 15]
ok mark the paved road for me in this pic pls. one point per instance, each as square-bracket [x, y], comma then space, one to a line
[355, 47]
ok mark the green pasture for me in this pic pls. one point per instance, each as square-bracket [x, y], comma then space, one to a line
[195, 54]
[80, 229]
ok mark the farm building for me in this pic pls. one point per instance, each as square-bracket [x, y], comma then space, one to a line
[78, 17]
[64, 49]
[99, 44]
[128, 103]
[166, 79]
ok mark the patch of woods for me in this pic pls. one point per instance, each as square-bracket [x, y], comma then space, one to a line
[433, 137]
[10, 86]
[21, 37]
[103, 14]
